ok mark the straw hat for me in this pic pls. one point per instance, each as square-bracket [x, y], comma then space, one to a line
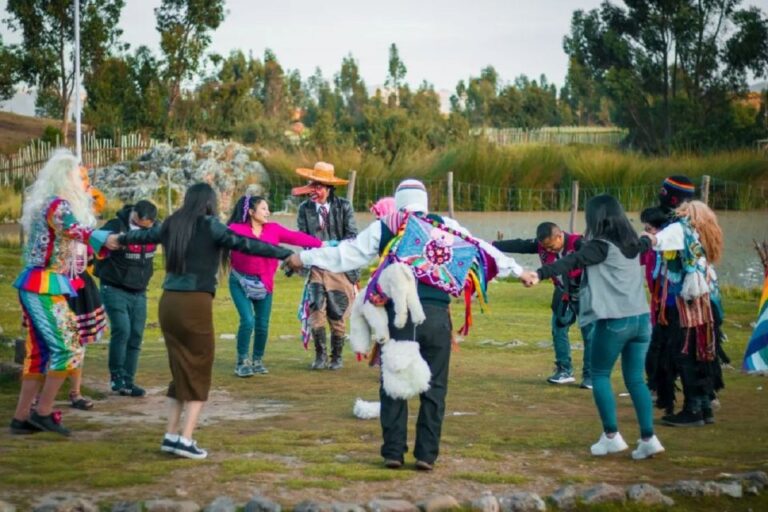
[323, 172]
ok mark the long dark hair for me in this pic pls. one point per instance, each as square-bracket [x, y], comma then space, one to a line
[240, 211]
[240, 216]
[200, 200]
[606, 220]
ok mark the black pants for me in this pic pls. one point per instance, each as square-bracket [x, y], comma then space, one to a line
[434, 338]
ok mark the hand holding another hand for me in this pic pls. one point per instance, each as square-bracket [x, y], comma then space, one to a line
[293, 262]
[529, 278]
[112, 242]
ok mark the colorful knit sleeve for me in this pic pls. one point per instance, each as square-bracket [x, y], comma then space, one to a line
[61, 219]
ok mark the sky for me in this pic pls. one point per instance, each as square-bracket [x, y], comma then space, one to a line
[439, 41]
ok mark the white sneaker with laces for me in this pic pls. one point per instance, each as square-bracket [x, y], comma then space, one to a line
[608, 445]
[647, 449]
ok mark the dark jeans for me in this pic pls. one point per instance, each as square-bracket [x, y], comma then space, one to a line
[254, 319]
[434, 338]
[127, 314]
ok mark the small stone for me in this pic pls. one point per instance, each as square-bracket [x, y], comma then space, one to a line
[732, 489]
[261, 504]
[221, 504]
[485, 503]
[227, 336]
[693, 488]
[522, 502]
[7, 507]
[311, 506]
[346, 507]
[564, 497]
[384, 505]
[166, 505]
[342, 458]
[752, 490]
[603, 493]
[439, 503]
[127, 506]
[647, 495]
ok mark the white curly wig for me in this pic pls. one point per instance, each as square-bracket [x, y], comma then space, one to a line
[60, 177]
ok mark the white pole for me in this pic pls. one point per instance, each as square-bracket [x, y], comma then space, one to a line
[78, 127]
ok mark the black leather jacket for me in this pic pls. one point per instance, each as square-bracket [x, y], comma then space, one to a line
[203, 254]
[341, 224]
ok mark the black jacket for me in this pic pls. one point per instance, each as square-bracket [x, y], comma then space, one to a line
[341, 224]
[203, 256]
[129, 269]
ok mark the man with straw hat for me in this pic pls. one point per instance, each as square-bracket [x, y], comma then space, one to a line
[331, 219]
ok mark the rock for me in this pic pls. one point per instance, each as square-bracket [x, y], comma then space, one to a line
[564, 497]
[171, 506]
[439, 503]
[311, 506]
[64, 502]
[342, 458]
[346, 507]
[127, 506]
[693, 488]
[603, 493]
[261, 504]
[7, 507]
[757, 479]
[384, 505]
[485, 503]
[648, 495]
[521, 502]
[732, 489]
[221, 504]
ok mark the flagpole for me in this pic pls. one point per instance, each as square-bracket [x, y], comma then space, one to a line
[78, 108]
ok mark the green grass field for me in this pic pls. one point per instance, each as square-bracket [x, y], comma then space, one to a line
[291, 434]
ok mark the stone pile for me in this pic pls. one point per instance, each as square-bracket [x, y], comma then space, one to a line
[227, 166]
[568, 497]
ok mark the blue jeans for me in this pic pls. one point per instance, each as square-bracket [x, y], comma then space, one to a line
[127, 312]
[254, 320]
[629, 337]
[562, 347]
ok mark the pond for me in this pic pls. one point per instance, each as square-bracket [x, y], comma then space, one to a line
[740, 265]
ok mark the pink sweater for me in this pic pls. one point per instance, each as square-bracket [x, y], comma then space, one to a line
[271, 233]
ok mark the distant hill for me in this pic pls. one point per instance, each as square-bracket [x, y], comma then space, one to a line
[758, 87]
[17, 130]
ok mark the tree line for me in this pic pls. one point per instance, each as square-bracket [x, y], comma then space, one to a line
[673, 72]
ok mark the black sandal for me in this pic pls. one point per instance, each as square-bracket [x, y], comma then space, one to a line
[81, 402]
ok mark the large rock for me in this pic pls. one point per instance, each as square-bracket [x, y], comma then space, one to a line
[648, 495]
[732, 489]
[262, 504]
[385, 505]
[171, 506]
[7, 507]
[221, 504]
[127, 506]
[603, 493]
[693, 488]
[439, 503]
[565, 497]
[521, 502]
[64, 502]
[485, 503]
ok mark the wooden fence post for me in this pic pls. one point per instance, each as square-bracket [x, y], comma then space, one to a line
[574, 205]
[705, 180]
[450, 195]
[351, 187]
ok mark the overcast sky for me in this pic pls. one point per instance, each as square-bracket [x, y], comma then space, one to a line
[439, 41]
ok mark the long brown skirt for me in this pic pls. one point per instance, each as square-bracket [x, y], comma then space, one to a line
[186, 319]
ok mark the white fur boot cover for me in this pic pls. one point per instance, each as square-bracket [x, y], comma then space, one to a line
[359, 332]
[366, 410]
[404, 372]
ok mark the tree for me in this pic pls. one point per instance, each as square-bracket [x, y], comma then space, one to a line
[397, 71]
[672, 69]
[9, 71]
[185, 27]
[46, 53]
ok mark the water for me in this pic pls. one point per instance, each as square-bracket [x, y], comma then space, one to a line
[740, 264]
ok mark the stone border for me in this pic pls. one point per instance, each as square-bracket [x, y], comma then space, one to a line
[735, 485]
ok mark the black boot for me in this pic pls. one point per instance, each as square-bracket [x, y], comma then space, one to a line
[321, 352]
[337, 345]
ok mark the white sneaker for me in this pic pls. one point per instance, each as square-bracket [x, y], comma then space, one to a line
[608, 445]
[646, 449]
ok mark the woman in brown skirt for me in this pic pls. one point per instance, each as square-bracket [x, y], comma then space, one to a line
[192, 239]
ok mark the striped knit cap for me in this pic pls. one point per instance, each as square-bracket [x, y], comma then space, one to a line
[411, 195]
[675, 190]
